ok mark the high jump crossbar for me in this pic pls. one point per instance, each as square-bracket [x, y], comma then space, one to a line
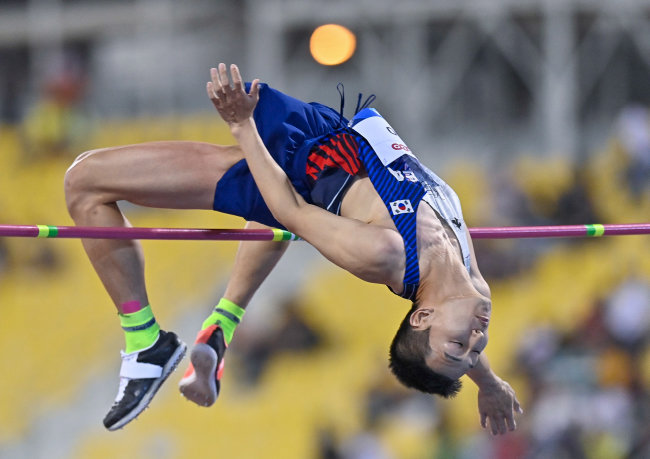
[206, 234]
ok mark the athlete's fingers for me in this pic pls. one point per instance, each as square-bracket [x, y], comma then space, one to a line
[216, 84]
[497, 426]
[484, 420]
[223, 79]
[236, 78]
[209, 88]
[255, 89]
[510, 421]
[501, 425]
[493, 426]
[214, 76]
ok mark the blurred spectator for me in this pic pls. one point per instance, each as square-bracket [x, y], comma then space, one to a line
[291, 333]
[634, 132]
[387, 401]
[537, 348]
[575, 206]
[389, 407]
[360, 445]
[364, 445]
[500, 259]
[55, 125]
[13, 65]
[587, 397]
[628, 313]
[512, 206]
[593, 333]
[327, 447]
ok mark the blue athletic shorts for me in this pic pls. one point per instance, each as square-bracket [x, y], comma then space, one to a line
[289, 128]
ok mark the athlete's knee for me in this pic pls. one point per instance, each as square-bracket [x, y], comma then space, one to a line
[78, 183]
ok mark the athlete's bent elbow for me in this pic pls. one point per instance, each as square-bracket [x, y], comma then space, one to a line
[290, 212]
[290, 220]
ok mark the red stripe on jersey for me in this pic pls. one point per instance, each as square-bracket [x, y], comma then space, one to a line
[338, 158]
[338, 152]
[352, 147]
[319, 162]
[347, 148]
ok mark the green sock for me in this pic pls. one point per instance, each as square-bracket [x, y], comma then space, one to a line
[227, 315]
[140, 329]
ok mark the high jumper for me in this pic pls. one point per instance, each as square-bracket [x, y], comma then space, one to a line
[351, 188]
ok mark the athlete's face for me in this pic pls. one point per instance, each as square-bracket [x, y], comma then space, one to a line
[457, 334]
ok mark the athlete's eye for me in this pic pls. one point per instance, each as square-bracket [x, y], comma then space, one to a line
[458, 343]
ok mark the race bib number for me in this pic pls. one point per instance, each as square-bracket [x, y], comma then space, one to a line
[382, 138]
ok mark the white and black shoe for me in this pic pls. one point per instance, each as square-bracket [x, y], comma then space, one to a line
[141, 375]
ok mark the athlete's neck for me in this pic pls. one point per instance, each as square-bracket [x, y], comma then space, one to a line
[442, 272]
[444, 277]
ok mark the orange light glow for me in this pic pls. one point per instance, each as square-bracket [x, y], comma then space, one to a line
[332, 44]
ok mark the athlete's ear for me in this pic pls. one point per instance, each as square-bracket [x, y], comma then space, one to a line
[421, 318]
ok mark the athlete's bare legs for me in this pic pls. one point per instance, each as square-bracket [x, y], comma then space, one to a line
[177, 175]
[174, 175]
[253, 263]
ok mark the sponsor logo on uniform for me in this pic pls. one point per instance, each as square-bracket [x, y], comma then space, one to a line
[391, 130]
[400, 146]
[402, 206]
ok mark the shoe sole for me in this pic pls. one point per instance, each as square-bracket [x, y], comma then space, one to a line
[201, 387]
[168, 369]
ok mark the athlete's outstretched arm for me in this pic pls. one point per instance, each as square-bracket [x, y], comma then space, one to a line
[253, 263]
[370, 252]
[497, 401]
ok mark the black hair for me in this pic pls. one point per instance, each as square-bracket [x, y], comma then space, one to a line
[407, 361]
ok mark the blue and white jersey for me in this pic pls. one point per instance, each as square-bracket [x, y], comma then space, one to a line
[403, 183]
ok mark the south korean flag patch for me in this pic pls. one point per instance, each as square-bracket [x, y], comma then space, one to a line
[403, 206]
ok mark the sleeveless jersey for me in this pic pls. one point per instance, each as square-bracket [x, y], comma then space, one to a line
[403, 183]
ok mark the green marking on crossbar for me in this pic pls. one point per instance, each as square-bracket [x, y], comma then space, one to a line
[47, 231]
[595, 230]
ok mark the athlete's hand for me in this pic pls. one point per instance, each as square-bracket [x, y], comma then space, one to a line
[231, 101]
[498, 403]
